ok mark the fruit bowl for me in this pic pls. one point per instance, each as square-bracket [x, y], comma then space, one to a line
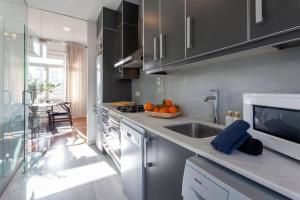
[163, 115]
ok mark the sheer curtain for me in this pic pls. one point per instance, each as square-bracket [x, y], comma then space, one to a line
[77, 80]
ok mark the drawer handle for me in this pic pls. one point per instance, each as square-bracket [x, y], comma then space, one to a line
[155, 48]
[197, 181]
[259, 11]
[189, 33]
[146, 163]
[162, 46]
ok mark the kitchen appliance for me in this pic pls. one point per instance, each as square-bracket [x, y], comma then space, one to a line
[112, 137]
[132, 157]
[205, 180]
[131, 109]
[135, 60]
[274, 119]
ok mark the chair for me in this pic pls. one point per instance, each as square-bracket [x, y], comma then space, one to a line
[60, 113]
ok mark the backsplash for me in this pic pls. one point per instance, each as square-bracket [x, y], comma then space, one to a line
[277, 71]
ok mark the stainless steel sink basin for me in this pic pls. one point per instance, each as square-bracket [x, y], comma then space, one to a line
[194, 130]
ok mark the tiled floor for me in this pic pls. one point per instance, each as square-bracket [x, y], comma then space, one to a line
[71, 170]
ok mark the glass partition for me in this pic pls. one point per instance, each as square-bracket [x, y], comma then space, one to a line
[12, 87]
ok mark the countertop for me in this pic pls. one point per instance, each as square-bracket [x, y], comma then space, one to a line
[270, 169]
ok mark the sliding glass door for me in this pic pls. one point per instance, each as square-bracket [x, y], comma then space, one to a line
[12, 87]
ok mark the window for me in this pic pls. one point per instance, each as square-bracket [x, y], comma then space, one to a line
[47, 77]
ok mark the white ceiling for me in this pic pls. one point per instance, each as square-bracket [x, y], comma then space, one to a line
[51, 26]
[82, 9]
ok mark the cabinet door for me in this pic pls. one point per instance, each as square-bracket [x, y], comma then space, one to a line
[214, 24]
[164, 176]
[151, 34]
[273, 16]
[172, 25]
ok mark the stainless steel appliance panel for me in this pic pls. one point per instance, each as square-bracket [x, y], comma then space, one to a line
[132, 169]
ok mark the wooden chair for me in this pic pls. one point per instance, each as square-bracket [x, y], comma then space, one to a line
[60, 113]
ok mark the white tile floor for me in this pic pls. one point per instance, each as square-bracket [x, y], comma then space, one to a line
[68, 172]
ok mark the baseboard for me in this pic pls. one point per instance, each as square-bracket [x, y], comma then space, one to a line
[91, 142]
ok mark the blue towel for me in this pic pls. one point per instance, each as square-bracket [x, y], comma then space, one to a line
[231, 137]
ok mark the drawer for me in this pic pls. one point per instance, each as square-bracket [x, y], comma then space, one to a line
[196, 186]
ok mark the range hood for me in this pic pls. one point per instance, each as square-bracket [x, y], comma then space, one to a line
[135, 60]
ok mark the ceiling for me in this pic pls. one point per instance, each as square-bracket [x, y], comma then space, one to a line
[57, 27]
[82, 9]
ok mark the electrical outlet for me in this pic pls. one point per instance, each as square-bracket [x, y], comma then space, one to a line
[137, 93]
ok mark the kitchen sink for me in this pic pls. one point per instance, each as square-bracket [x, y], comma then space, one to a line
[194, 130]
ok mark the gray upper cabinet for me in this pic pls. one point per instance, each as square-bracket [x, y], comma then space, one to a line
[270, 17]
[151, 34]
[214, 24]
[182, 32]
[172, 36]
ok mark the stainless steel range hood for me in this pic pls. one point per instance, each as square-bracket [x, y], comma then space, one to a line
[135, 60]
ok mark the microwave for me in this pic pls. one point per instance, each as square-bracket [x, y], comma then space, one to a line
[275, 120]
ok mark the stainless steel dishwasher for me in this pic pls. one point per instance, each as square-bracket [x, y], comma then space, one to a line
[132, 168]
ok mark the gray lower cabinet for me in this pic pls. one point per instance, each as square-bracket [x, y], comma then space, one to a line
[164, 174]
[172, 35]
[273, 16]
[214, 24]
[151, 34]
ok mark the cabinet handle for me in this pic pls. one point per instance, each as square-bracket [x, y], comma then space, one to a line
[162, 46]
[259, 12]
[189, 33]
[146, 164]
[155, 48]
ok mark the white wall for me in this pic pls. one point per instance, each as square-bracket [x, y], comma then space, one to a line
[92, 54]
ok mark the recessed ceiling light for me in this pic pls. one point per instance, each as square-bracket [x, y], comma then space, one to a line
[66, 29]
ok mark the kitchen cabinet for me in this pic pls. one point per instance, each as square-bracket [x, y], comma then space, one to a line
[151, 34]
[214, 24]
[269, 17]
[127, 29]
[164, 173]
[172, 36]
[128, 41]
[164, 37]
[113, 89]
[184, 32]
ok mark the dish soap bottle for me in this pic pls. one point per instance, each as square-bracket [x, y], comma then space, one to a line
[229, 118]
[236, 116]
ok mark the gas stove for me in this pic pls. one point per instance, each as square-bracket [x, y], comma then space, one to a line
[131, 109]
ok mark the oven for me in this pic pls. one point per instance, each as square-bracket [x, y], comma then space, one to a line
[112, 136]
[275, 120]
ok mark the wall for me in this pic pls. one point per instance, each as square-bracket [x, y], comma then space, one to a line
[272, 72]
[91, 101]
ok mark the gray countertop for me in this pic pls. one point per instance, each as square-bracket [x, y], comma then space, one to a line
[270, 169]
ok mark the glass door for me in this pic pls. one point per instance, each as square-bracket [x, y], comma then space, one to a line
[12, 105]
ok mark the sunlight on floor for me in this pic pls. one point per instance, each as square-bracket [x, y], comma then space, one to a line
[82, 151]
[42, 186]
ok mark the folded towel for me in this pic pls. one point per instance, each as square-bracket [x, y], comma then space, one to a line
[251, 146]
[231, 137]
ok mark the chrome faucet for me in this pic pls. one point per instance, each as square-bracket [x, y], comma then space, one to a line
[214, 96]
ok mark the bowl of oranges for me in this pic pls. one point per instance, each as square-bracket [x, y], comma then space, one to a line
[165, 110]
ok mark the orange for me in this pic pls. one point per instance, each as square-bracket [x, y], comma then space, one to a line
[164, 110]
[168, 102]
[155, 109]
[173, 109]
[148, 106]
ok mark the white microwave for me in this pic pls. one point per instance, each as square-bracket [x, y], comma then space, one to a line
[275, 120]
